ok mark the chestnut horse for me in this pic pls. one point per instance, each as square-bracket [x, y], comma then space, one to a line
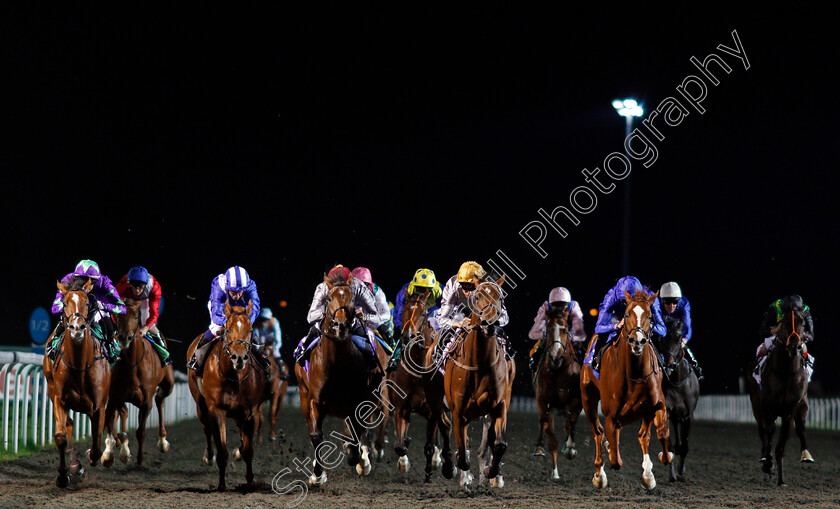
[557, 387]
[630, 389]
[423, 391]
[139, 379]
[275, 393]
[78, 379]
[338, 383]
[682, 390]
[783, 393]
[232, 385]
[478, 383]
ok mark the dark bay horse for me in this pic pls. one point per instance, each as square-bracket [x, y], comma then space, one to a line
[557, 387]
[629, 389]
[423, 390]
[78, 380]
[682, 390]
[338, 383]
[783, 393]
[478, 383]
[139, 379]
[232, 385]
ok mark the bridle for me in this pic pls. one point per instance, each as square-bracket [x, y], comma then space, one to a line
[84, 329]
[227, 343]
[646, 334]
[350, 310]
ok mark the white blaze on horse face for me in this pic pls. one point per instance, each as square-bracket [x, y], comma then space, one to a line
[639, 311]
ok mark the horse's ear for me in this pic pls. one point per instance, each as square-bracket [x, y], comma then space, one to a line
[501, 281]
[350, 279]
[653, 297]
[227, 308]
[628, 296]
[88, 286]
[327, 281]
[61, 287]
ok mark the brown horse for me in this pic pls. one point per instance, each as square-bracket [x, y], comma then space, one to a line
[783, 393]
[137, 378]
[557, 386]
[478, 383]
[78, 379]
[338, 383]
[232, 385]
[275, 394]
[630, 389]
[423, 391]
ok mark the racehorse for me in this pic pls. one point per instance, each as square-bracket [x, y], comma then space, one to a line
[423, 391]
[232, 385]
[338, 383]
[275, 393]
[682, 390]
[630, 389]
[783, 393]
[478, 383]
[139, 379]
[78, 380]
[557, 386]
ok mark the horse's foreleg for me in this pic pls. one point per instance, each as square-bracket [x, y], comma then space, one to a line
[259, 420]
[274, 412]
[62, 440]
[682, 451]
[97, 423]
[769, 429]
[547, 429]
[648, 480]
[444, 428]
[143, 414]
[572, 414]
[429, 450]
[316, 436]
[784, 434]
[218, 420]
[612, 431]
[663, 433]
[247, 432]
[110, 432]
[402, 418]
[499, 443]
[459, 429]
[799, 414]
[589, 401]
[160, 397]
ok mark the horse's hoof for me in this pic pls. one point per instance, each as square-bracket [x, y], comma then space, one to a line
[670, 458]
[222, 488]
[436, 459]
[806, 457]
[649, 482]
[555, 474]
[62, 481]
[209, 461]
[403, 464]
[125, 453]
[497, 482]
[317, 481]
[466, 479]
[570, 453]
[75, 468]
[107, 462]
[538, 451]
[767, 465]
[600, 479]
[379, 454]
[273, 438]
[363, 469]
[448, 470]
[237, 456]
[163, 444]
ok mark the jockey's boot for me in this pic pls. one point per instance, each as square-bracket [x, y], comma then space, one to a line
[303, 354]
[281, 370]
[262, 360]
[596, 356]
[202, 349]
[165, 358]
[692, 361]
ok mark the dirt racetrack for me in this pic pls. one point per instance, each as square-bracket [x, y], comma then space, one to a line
[722, 472]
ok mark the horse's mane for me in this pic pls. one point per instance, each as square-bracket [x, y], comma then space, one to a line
[76, 283]
[337, 278]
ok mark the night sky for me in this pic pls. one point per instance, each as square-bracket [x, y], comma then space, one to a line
[287, 142]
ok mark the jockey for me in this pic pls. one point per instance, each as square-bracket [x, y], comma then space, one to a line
[104, 300]
[455, 312]
[383, 310]
[139, 285]
[770, 326]
[559, 303]
[236, 288]
[364, 301]
[267, 332]
[611, 316]
[423, 278]
[674, 306]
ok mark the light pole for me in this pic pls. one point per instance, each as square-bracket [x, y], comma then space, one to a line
[627, 108]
